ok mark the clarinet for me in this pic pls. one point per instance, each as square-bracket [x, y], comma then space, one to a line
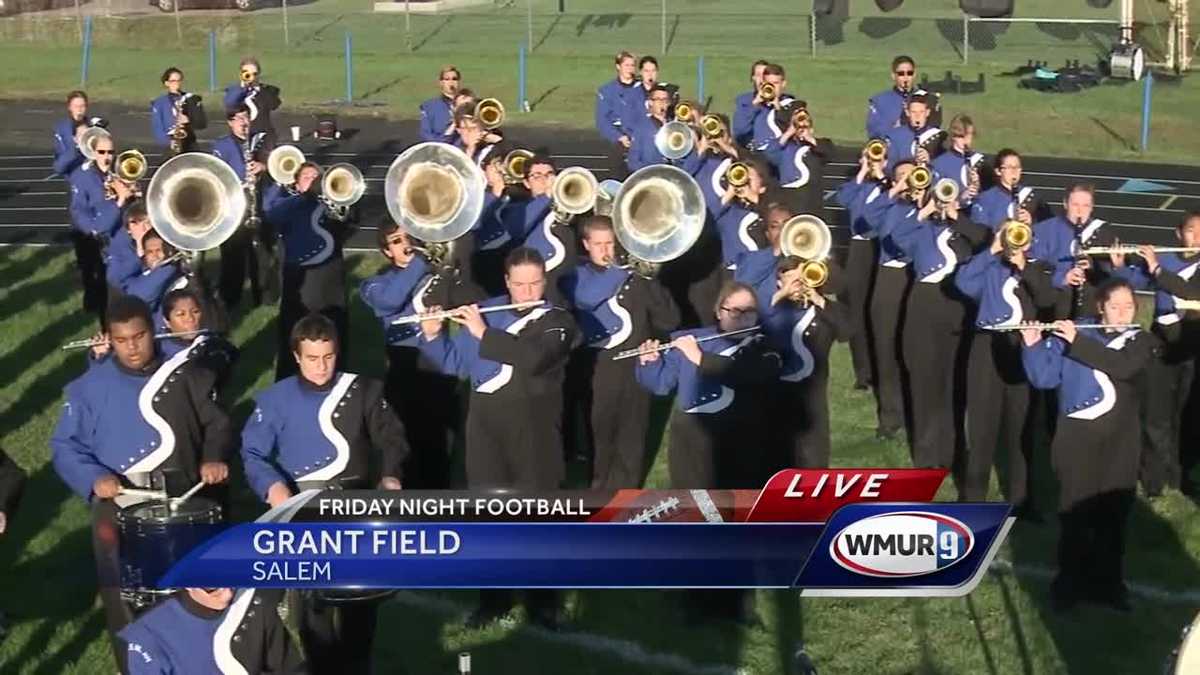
[251, 185]
[1077, 291]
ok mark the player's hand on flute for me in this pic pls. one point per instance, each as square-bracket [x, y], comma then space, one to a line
[687, 345]
[469, 317]
[212, 473]
[1066, 330]
[431, 327]
[650, 352]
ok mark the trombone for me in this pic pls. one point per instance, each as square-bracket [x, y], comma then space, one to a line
[684, 111]
[283, 163]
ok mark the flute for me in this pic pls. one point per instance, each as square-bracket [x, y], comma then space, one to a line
[1050, 326]
[1128, 249]
[447, 313]
[630, 353]
[94, 342]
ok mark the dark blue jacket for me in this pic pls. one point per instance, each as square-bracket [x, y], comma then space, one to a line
[745, 114]
[994, 285]
[883, 214]
[436, 115]
[91, 213]
[644, 153]
[302, 222]
[162, 116]
[903, 143]
[229, 148]
[121, 260]
[854, 197]
[397, 292]
[997, 204]
[712, 386]
[1083, 372]
[615, 104]
[766, 127]
[67, 157]
[884, 112]
[1165, 312]
[954, 164]
[738, 236]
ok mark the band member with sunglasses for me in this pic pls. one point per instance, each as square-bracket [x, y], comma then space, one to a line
[97, 199]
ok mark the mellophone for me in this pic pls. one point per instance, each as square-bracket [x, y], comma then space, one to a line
[630, 353]
[450, 313]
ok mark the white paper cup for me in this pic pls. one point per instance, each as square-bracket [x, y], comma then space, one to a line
[295, 133]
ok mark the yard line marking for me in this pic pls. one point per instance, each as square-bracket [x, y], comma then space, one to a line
[1167, 202]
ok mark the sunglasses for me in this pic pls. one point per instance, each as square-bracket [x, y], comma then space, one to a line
[103, 152]
[905, 72]
[739, 311]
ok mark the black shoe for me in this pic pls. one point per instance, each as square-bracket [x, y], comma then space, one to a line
[1116, 599]
[1062, 597]
[482, 618]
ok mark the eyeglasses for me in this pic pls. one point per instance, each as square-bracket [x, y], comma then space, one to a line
[902, 73]
[175, 80]
[541, 176]
[739, 311]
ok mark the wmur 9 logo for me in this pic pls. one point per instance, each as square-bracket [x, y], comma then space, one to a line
[903, 544]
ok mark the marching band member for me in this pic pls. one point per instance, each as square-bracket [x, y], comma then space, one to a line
[437, 113]
[766, 127]
[716, 156]
[212, 630]
[959, 162]
[298, 439]
[12, 483]
[471, 136]
[801, 322]
[800, 157]
[246, 253]
[936, 239]
[123, 256]
[314, 272]
[617, 101]
[258, 99]
[740, 224]
[534, 223]
[175, 110]
[96, 218]
[183, 312]
[885, 110]
[1007, 199]
[1096, 443]
[615, 308]
[852, 195]
[426, 400]
[720, 416]
[644, 152]
[915, 140]
[514, 360]
[67, 157]
[746, 106]
[130, 420]
[154, 278]
[889, 295]
[1006, 288]
[1172, 404]
[1058, 240]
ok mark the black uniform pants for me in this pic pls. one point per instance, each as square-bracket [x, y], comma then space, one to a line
[934, 366]
[249, 254]
[860, 272]
[428, 404]
[106, 549]
[316, 288]
[802, 422]
[620, 416]
[1091, 546]
[1169, 409]
[997, 411]
[337, 638]
[885, 321]
[515, 443]
[89, 258]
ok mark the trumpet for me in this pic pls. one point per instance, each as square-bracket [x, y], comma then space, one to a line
[684, 111]
[248, 76]
[920, 178]
[1130, 249]
[490, 113]
[448, 313]
[711, 126]
[945, 191]
[738, 174]
[638, 351]
[516, 166]
[1044, 326]
[876, 150]
[768, 92]
[96, 342]
[1015, 235]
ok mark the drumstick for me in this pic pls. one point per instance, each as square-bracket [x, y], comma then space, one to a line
[176, 503]
[148, 494]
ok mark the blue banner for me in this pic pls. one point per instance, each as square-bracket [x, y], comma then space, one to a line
[866, 546]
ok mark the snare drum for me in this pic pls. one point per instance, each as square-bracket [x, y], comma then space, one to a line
[1186, 659]
[153, 537]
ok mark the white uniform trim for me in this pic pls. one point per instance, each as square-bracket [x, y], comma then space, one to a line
[330, 432]
[806, 357]
[146, 396]
[1108, 392]
[326, 239]
[497, 381]
[623, 332]
[223, 637]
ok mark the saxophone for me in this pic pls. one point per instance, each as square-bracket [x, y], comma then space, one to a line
[178, 131]
[250, 184]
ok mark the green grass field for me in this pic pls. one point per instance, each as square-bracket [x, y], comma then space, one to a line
[395, 64]
[47, 583]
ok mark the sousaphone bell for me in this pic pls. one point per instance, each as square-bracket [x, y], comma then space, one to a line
[658, 214]
[195, 201]
[434, 191]
[675, 140]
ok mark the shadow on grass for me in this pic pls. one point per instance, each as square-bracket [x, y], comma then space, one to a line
[546, 35]
[433, 33]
